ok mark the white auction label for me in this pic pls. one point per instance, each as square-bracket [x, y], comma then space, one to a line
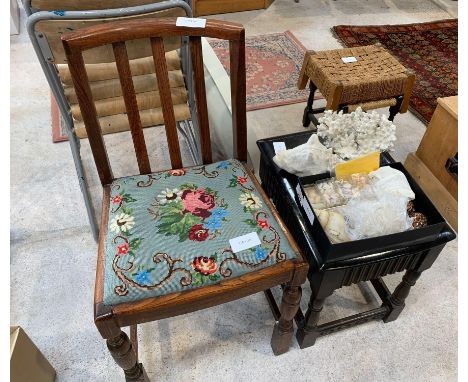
[347, 60]
[190, 22]
[279, 146]
[241, 243]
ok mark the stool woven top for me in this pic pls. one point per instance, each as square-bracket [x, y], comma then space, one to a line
[374, 75]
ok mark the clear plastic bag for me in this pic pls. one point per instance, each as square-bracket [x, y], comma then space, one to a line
[373, 214]
[335, 192]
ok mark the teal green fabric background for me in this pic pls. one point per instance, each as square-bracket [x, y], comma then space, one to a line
[170, 231]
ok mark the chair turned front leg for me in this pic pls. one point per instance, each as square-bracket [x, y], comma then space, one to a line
[124, 355]
[284, 328]
[396, 301]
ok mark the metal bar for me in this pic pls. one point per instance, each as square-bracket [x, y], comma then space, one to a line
[109, 13]
[74, 144]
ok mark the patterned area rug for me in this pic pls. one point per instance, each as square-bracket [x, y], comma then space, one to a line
[429, 49]
[273, 64]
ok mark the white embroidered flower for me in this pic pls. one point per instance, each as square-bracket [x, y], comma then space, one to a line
[122, 223]
[250, 200]
[169, 195]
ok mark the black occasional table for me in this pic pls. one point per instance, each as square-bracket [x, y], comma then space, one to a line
[328, 273]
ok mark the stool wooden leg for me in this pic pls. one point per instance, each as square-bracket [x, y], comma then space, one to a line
[398, 297]
[306, 118]
[284, 328]
[396, 108]
[308, 334]
[124, 355]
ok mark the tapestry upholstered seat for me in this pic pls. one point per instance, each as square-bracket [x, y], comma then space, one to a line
[173, 235]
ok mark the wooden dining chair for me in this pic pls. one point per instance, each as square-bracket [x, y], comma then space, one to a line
[165, 245]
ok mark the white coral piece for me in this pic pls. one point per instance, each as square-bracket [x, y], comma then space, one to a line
[357, 133]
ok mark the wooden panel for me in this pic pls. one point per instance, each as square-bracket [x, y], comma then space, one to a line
[111, 88]
[238, 98]
[108, 70]
[131, 106]
[88, 110]
[440, 142]
[116, 105]
[200, 94]
[53, 30]
[213, 7]
[119, 122]
[442, 199]
[167, 106]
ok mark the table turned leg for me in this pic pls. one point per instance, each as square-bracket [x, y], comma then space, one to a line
[308, 333]
[284, 328]
[124, 355]
[396, 301]
[306, 117]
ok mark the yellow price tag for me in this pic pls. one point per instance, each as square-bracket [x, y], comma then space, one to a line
[366, 163]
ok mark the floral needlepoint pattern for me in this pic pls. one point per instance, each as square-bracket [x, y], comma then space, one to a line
[122, 223]
[169, 195]
[122, 249]
[198, 233]
[250, 201]
[179, 172]
[169, 231]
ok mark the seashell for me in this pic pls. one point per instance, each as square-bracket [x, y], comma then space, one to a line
[410, 208]
[419, 220]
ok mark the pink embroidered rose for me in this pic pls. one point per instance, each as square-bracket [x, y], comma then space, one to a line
[117, 199]
[198, 202]
[242, 180]
[263, 223]
[122, 249]
[178, 172]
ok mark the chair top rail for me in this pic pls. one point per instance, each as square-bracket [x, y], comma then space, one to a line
[94, 36]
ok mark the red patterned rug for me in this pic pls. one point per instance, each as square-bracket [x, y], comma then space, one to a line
[273, 64]
[429, 49]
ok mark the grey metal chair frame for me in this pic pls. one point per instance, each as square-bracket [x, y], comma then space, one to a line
[188, 129]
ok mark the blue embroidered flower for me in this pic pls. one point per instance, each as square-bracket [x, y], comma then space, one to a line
[218, 213]
[143, 278]
[260, 253]
[212, 224]
[224, 165]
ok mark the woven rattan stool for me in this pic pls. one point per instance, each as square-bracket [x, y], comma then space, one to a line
[371, 78]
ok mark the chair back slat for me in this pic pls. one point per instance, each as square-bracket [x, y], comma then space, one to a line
[119, 34]
[88, 110]
[200, 94]
[238, 96]
[131, 105]
[167, 106]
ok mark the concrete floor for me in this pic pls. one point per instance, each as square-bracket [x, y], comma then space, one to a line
[53, 253]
